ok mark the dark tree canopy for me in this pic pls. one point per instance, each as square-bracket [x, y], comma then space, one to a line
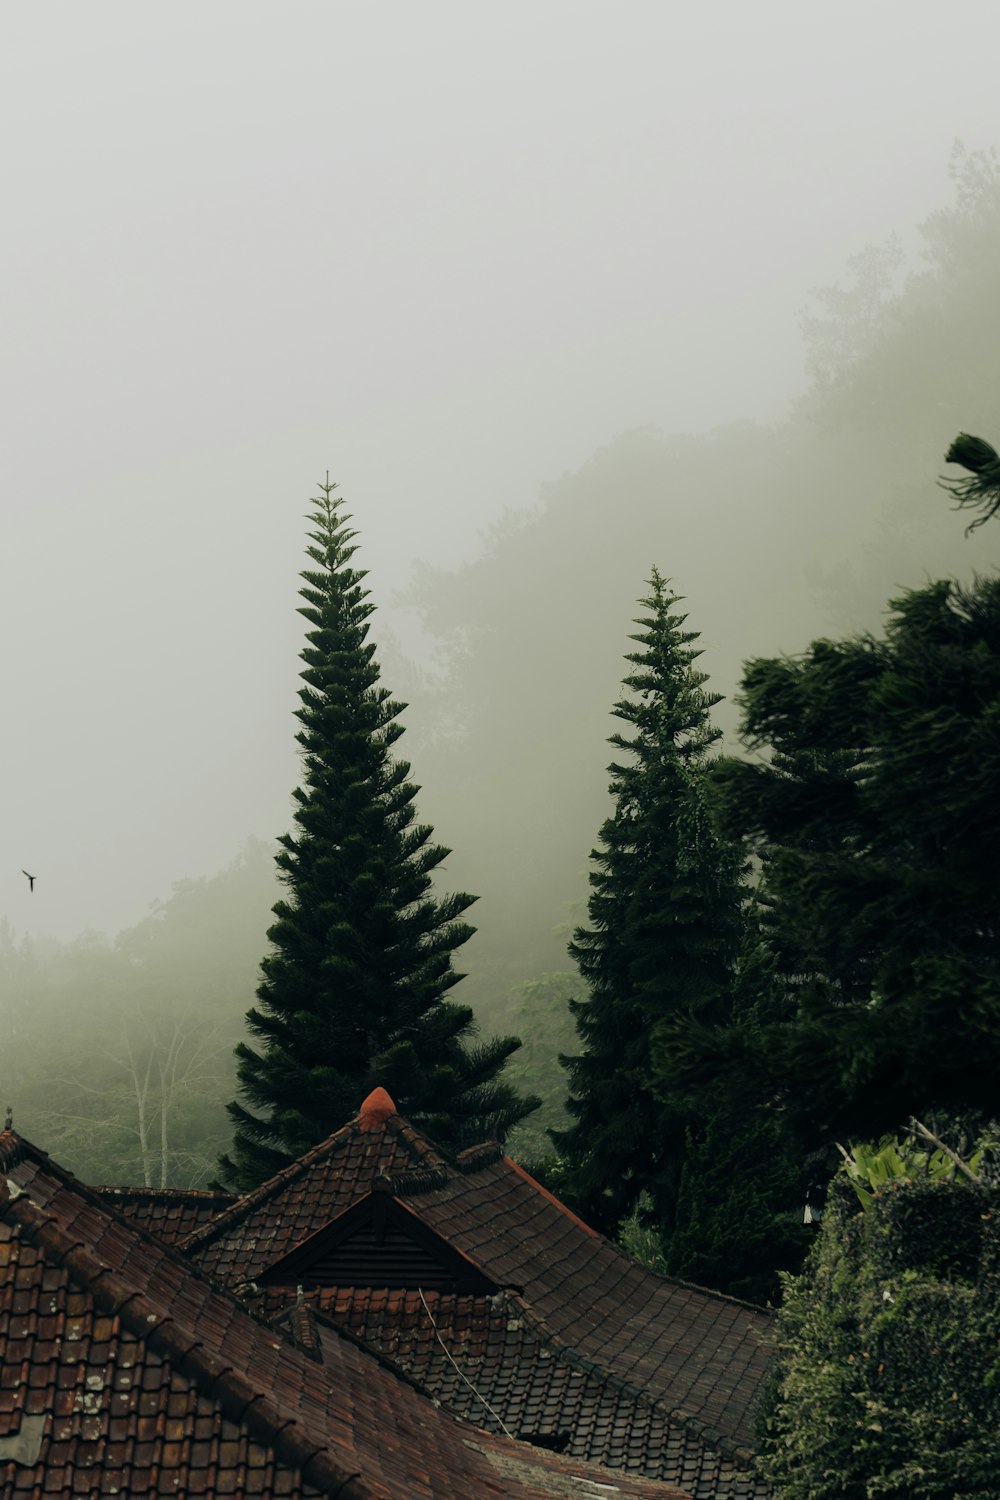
[737, 1217]
[354, 991]
[665, 928]
[876, 816]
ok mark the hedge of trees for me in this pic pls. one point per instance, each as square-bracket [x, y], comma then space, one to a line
[887, 1378]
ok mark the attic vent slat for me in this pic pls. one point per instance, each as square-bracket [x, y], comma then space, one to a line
[378, 1243]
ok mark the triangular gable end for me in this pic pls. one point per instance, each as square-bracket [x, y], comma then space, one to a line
[378, 1242]
[238, 1244]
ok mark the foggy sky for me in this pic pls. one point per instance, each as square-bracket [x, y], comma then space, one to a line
[446, 251]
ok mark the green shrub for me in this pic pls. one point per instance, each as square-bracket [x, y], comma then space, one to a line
[888, 1383]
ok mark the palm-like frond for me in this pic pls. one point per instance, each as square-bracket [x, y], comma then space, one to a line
[982, 491]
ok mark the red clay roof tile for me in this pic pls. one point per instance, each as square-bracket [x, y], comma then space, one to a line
[149, 1380]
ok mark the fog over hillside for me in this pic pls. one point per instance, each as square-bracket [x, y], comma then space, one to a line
[447, 256]
[530, 285]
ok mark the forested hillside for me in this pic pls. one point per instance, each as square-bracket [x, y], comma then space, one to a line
[773, 536]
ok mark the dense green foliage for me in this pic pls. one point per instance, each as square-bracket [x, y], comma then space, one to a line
[737, 1214]
[737, 1217]
[887, 1382]
[352, 993]
[875, 813]
[665, 928]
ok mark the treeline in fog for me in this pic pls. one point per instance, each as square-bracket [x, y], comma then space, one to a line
[117, 1054]
[772, 535]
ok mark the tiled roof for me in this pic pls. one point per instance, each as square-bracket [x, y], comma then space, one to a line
[488, 1360]
[171, 1213]
[698, 1351]
[124, 1371]
[697, 1356]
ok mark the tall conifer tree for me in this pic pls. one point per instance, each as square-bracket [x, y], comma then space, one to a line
[352, 994]
[665, 929]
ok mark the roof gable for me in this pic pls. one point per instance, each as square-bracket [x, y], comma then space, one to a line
[240, 1243]
[378, 1242]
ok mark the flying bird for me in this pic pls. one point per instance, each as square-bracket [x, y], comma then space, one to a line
[982, 491]
[31, 880]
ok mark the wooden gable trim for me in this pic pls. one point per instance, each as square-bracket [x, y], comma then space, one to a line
[378, 1242]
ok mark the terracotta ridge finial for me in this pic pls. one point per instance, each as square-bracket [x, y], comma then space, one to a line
[376, 1110]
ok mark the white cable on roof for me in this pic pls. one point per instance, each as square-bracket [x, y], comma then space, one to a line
[478, 1394]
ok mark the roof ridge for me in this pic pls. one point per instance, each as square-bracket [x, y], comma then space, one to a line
[155, 1195]
[419, 1143]
[265, 1417]
[482, 1155]
[16, 1149]
[704, 1431]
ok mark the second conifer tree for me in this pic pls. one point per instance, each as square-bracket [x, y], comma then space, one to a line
[666, 924]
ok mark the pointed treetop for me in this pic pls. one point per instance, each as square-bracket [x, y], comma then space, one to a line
[376, 1110]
